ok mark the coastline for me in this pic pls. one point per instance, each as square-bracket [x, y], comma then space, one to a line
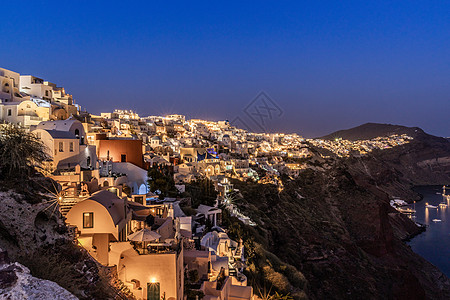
[425, 243]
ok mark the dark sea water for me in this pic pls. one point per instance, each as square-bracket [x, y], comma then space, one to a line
[434, 243]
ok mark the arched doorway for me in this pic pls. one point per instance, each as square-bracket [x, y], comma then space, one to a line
[153, 291]
[142, 189]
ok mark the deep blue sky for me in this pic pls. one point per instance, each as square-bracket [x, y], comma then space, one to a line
[328, 64]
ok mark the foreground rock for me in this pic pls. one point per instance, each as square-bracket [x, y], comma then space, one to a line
[16, 282]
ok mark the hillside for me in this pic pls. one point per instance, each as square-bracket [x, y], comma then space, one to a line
[372, 130]
[341, 238]
[33, 234]
[336, 228]
[423, 161]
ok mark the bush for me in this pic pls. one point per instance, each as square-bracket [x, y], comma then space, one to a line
[20, 152]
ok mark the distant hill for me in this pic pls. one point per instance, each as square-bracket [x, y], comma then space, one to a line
[372, 130]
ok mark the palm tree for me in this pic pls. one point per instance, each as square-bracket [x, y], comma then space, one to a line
[20, 152]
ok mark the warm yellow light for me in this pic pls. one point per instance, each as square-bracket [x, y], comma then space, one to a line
[153, 280]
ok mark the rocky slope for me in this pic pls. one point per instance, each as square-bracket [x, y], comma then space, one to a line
[344, 239]
[16, 282]
[33, 233]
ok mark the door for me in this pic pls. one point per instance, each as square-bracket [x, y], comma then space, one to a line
[153, 291]
[123, 158]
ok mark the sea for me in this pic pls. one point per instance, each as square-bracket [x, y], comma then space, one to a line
[434, 243]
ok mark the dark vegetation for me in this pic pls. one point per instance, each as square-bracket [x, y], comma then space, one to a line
[21, 156]
[192, 285]
[201, 191]
[161, 181]
[20, 152]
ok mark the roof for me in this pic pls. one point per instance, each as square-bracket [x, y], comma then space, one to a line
[177, 211]
[113, 204]
[204, 209]
[136, 206]
[196, 253]
[220, 262]
[56, 134]
[61, 125]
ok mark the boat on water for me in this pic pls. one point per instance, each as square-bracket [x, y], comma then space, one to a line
[437, 220]
[406, 210]
[430, 206]
[443, 205]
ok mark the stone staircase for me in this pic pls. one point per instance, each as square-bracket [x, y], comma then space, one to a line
[66, 204]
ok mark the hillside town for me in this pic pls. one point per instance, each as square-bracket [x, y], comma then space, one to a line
[123, 178]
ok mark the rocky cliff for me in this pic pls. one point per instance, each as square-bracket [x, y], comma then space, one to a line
[423, 161]
[336, 228]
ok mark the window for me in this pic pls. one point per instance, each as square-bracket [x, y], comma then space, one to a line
[88, 220]
[139, 199]
[61, 147]
[77, 133]
[123, 158]
[9, 112]
[71, 147]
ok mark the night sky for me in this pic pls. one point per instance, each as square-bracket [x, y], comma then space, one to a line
[327, 65]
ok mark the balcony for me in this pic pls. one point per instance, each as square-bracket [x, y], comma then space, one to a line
[146, 248]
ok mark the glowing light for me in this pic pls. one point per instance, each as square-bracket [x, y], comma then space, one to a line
[153, 280]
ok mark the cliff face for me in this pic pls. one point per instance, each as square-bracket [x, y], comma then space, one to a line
[423, 161]
[343, 238]
[337, 228]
